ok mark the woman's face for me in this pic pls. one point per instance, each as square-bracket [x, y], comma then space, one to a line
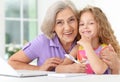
[87, 25]
[66, 26]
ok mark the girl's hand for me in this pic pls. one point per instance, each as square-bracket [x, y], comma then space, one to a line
[50, 64]
[84, 41]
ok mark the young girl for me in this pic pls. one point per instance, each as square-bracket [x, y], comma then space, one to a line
[96, 35]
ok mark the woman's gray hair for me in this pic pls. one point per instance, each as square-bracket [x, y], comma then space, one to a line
[48, 24]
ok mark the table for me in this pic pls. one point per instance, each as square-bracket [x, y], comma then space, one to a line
[85, 78]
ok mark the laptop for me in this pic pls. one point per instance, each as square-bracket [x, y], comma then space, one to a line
[7, 70]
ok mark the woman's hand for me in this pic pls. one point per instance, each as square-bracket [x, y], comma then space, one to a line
[50, 64]
[71, 68]
[77, 68]
[109, 56]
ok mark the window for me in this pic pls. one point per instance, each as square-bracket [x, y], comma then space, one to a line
[21, 23]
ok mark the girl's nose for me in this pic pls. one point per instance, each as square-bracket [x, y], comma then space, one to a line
[85, 26]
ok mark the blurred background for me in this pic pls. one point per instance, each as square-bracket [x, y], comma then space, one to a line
[20, 20]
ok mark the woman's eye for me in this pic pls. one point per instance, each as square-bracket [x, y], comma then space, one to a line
[72, 19]
[59, 22]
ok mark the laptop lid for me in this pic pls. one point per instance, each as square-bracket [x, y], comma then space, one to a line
[7, 70]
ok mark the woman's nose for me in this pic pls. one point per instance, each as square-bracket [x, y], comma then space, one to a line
[67, 26]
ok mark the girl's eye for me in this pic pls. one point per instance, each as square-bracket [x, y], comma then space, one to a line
[91, 22]
[81, 24]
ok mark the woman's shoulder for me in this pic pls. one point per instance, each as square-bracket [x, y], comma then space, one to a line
[41, 38]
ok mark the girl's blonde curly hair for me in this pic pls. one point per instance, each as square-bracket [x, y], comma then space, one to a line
[106, 34]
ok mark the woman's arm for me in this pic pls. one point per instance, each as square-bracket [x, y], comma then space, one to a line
[109, 56]
[20, 61]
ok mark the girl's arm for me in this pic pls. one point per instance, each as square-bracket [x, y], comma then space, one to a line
[98, 66]
[68, 66]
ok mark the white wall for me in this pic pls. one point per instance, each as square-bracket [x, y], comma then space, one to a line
[109, 7]
[2, 29]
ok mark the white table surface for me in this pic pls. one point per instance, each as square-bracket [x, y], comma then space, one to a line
[84, 78]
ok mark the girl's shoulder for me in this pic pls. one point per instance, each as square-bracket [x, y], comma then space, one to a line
[103, 46]
[80, 47]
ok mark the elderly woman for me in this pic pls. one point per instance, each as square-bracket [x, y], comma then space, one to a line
[60, 28]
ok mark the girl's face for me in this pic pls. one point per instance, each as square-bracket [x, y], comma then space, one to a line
[66, 26]
[88, 25]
